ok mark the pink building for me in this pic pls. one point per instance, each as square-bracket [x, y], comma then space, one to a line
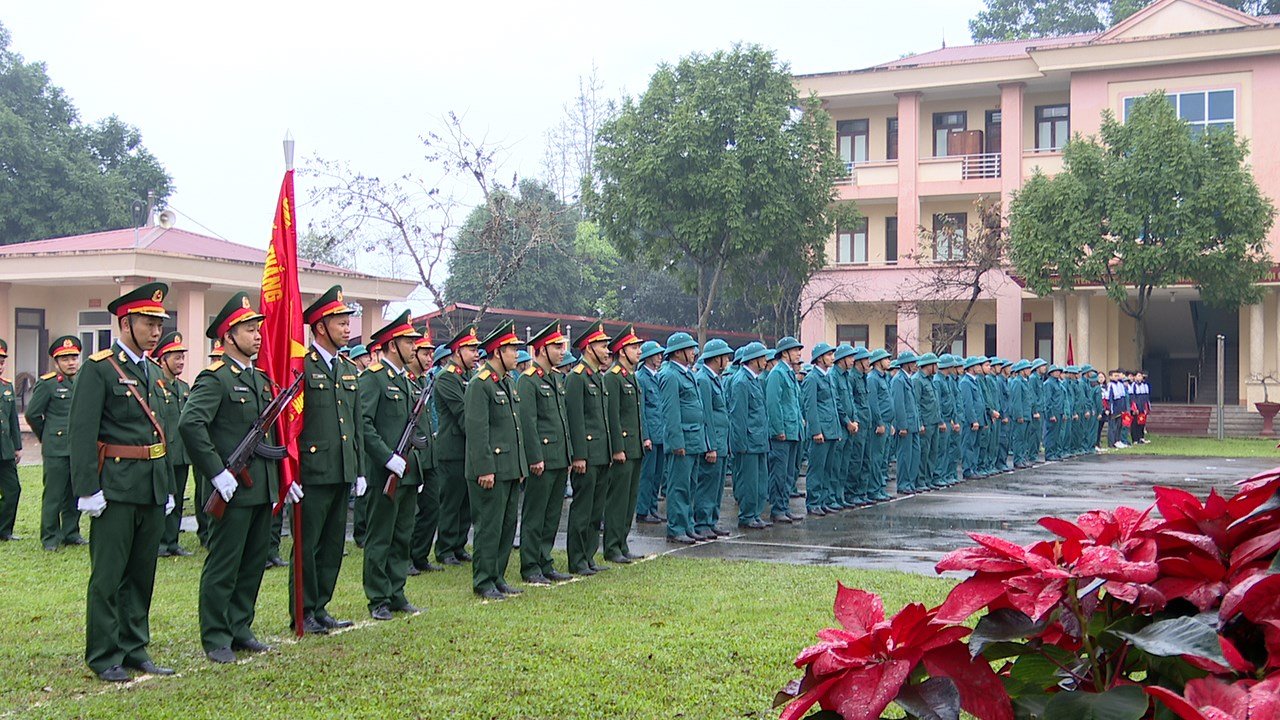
[926, 136]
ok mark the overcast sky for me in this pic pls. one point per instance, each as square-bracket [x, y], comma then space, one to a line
[214, 87]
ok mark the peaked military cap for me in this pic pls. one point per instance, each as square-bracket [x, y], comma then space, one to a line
[399, 327]
[425, 341]
[216, 350]
[4, 349]
[235, 311]
[465, 337]
[625, 338]
[330, 303]
[594, 333]
[144, 300]
[552, 334]
[169, 342]
[64, 346]
[504, 334]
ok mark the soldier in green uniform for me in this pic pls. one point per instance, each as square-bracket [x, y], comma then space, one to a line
[625, 413]
[496, 462]
[225, 400]
[124, 482]
[10, 452]
[330, 455]
[170, 357]
[426, 519]
[387, 396]
[451, 448]
[544, 420]
[203, 488]
[48, 414]
[585, 399]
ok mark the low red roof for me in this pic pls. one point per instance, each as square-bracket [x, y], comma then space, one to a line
[983, 52]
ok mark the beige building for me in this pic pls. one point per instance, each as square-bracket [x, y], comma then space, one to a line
[62, 287]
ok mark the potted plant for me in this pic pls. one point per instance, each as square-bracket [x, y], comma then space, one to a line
[1266, 408]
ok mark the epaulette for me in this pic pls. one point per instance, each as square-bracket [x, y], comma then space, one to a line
[217, 365]
[484, 374]
[154, 361]
[49, 375]
[374, 367]
[315, 355]
[615, 369]
[455, 369]
[533, 370]
[101, 355]
[577, 369]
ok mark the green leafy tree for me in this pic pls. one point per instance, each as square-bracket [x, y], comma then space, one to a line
[1148, 204]
[1020, 19]
[718, 164]
[59, 176]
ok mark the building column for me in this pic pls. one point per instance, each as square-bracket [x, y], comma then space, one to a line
[909, 328]
[813, 328]
[908, 168]
[6, 316]
[192, 318]
[1011, 140]
[1059, 329]
[1009, 321]
[1257, 341]
[1082, 329]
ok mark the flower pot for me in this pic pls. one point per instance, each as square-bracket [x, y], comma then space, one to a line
[1268, 412]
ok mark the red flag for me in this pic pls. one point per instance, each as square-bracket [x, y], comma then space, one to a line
[283, 343]
[1071, 356]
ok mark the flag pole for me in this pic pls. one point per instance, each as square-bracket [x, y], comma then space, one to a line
[295, 525]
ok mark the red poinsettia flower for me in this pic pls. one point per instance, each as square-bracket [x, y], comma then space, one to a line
[1213, 699]
[859, 668]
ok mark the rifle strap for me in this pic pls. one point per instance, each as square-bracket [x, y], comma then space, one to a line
[133, 390]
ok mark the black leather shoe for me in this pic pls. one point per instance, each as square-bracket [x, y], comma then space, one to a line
[11, 537]
[619, 560]
[222, 655]
[180, 552]
[150, 668]
[412, 571]
[451, 560]
[331, 623]
[702, 535]
[52, 548]
[408, 608]
[585, 571]
[382, 612]
[463, 555]
[312, 626]
[536, 580]
[115, 673]
[818, 512]
[598, 568]
[796, 517]
[682, 539]
[163, 552]
[251, 645]
[782, 518]
[506, 589]
[277, 561]
[649, 519]
[557, 576]
[429, 567]
[492, 593]
[75, 540]
[633, 557]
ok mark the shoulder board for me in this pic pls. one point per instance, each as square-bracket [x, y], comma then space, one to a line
[483, 374]
[101, 355]
[615, 369]
[49, 375]
[374, 367]
[531, 371]
[455, 369]
[577, 369]
[315, 355]
[215, 366]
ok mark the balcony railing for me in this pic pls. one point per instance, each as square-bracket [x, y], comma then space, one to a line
[869, 172]
[983, 165]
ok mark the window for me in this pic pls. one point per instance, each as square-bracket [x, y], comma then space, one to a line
[95, 330]
[891, 142]
[989, 340]
[891, 338]
[944, 124]
[948, 235]
[992, 139]
[1203, 110]
[851, 243]
[949, 338]
[855, 335]
[1044, 340]
[851, 140]
[1053, 127]
[891, 239]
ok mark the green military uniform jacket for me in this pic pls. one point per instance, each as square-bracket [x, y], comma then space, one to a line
[449, 398]
[223, 404]
[10, 433]
[49, 412]
[625, 411]
[427, 426]
[386, 401]
[544, 418]
[103, 410]
[495, 445]
[176, 392]
[331, 444]
[586, 397]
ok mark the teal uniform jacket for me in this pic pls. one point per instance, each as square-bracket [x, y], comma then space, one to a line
[906, 410]
[748, 418]
[386, 401]
[820, 405]
[224, 402]
[1054, 402]
[653, 421]
[990, 394]
[683, 411]
[972, 402]
[782, 398]
[861, 401]
[48, 414]
[927, 400]
[715, 410]
[945, 388]
[879, 400]
[843, 389]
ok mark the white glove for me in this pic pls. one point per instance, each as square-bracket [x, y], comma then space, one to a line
[294, 493]
[92, 505]
[397, 465]
[362, 486]
[225, 483]
[169, 505]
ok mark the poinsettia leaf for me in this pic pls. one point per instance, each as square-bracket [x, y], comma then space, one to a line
[934, 699]
[981, 692]
[1272, 504]
[799, 705]
[857, 610]
[1257, 598]
[864, 694]
[1176, 703]
[1255, 548]
[969, 597]
[1127, 702]
[1178, 636]
[1064, 529]
[1003, 624]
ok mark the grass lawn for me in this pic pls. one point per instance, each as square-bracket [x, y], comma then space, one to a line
[664, 638]
[1204, 447]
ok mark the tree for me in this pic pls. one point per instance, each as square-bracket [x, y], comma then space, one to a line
[1149, 204]
[717, 164]
[1020, 19]
[570, 146]
[59, 176]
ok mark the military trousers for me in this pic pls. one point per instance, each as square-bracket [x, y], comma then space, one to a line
[878, 463]
[971, 452]
[586, 509]
[782, 459]
[173, 521]
[750, 478]
[822, 461]
[426, 519]
[360, 516]
[955, 455]
[386, 549]
[652, 476]
[908, 457]
[238, 547]
[10, 492]
[680, 471]
[856, 474]
[455, 510]
[203, 521]
[539, 519]
[324, 533]
[59, 519]
[620, 504]
[708, 492]
[123, 541]
[494, 511]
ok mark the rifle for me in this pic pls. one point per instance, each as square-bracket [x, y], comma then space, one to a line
[252, 444]
[410, 437]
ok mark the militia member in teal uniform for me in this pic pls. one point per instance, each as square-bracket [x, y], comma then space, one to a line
[225, 400]
[544, 420]
[124, 481]
[387, 396]
[48, 414]
[586, 398]
[654, 468]
[786, 425]
[749, 437]
[10, 452]
[625, 413]
[930, 419]
[496, 462]
[170, 357]
[686, 433]
[880, 401]
[330, 454]
[708, 478]
[906, 420]
[822, 418]
[450, 450]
